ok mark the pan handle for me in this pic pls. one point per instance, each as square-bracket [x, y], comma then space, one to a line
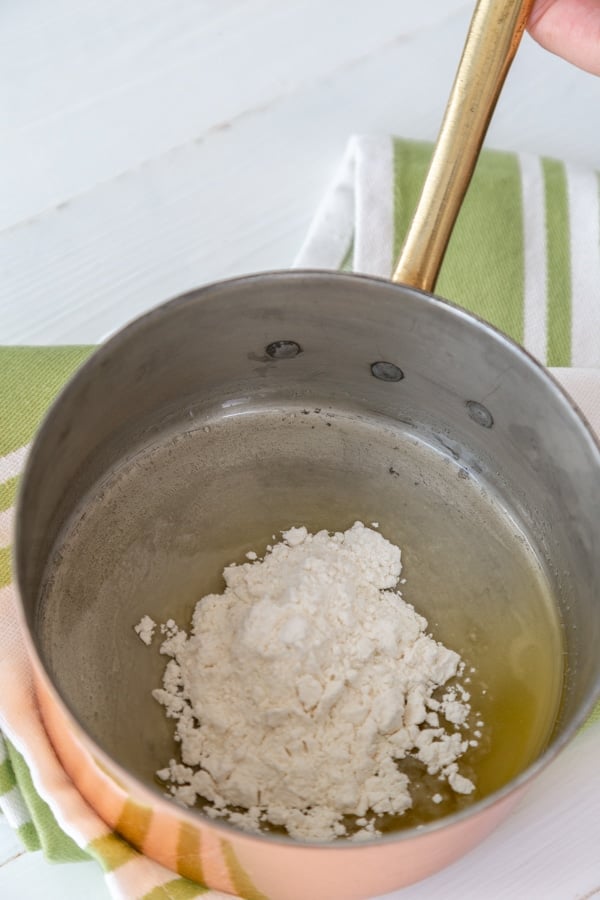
[492, 41]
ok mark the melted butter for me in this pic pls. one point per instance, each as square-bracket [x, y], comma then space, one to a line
[157, 535]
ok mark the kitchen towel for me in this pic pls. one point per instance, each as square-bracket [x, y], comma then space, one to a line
[525, 255]
[525, 252]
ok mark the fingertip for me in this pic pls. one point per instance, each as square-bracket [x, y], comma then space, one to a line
[570, 29]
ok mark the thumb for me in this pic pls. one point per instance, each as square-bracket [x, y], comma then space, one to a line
[569, 28]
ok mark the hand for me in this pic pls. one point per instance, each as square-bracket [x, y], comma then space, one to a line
[569, 28]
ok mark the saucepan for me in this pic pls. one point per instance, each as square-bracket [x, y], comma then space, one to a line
[314, 398]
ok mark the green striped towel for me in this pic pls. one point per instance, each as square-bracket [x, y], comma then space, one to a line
[525, 254]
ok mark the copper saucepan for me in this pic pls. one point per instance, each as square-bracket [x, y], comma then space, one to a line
[315, 398]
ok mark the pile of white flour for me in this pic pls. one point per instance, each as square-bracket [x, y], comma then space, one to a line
[302, 685]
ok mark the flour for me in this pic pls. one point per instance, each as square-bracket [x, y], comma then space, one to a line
[302, 687]
[145, 630]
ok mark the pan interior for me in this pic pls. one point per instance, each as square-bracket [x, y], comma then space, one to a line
[154, 536]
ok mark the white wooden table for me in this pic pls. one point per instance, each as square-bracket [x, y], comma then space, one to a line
[149, 146]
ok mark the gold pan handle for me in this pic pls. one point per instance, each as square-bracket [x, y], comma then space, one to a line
[492, 41]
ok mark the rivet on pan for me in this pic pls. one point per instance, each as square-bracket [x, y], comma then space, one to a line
[480, 413]
[386, 371]
[283, 349]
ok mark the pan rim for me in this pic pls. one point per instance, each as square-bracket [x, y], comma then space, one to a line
[151, 795]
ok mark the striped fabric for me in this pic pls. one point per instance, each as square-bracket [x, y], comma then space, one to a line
[525, 254]
[36, 797]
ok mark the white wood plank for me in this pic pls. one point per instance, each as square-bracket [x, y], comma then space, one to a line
[10, 844]
[30, 877]
[123, 82]
[238, 199]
